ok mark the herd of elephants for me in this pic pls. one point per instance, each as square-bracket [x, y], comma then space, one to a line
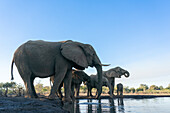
[56, 60]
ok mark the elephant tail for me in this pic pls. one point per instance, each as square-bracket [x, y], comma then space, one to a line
[12, 78]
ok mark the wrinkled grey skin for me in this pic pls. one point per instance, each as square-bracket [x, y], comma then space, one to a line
[119, 89]
[44, 59]
[78, 77]
[113, 73]
[93, 83]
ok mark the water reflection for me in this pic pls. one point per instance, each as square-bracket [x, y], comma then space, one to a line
[120, 105]
[94, 106]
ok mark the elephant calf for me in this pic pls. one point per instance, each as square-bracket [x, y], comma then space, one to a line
[119, 89]
[93, 83]
[78, 77]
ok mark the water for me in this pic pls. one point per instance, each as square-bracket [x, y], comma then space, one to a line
[153, 105]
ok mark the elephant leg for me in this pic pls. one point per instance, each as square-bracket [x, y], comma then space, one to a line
[58, 78]
[78, 89]
[30, 88]
[33, 88]
[72, 90]
[90, 92]
[67, 86]
[111, 94]
[112, 85]
[26, 76]
[59, 91]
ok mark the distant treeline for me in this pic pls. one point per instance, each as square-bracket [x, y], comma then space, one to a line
[11, 89]
[14, 89]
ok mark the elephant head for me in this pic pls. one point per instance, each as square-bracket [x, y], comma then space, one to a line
[83, 55]
[117, 72]
[82, 75]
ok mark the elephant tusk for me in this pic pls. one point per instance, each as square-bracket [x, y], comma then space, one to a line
[105, 64]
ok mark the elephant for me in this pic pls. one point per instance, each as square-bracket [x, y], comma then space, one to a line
[77, 79]
[44, 59]
[93, 83]
[113, 73]
[78, 76]
[120, 89]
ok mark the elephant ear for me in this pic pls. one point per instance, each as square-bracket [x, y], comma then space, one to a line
[109, 73]
[112, 73]
[73, 52]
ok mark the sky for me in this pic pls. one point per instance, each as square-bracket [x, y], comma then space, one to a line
[132, 34]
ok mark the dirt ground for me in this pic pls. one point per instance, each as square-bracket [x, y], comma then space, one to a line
[29, 105]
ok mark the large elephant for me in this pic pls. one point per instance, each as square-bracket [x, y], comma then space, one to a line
[120, 89]
[94, 84]
[113, 73]
[78, 77]
[44, 59]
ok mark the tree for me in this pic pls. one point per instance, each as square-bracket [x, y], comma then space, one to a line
[154, 87]
[20, 90]
[46, 89]
[8, 85]
[132, 90]
[126, 89]
[144, 87]
[161, 87]
[39, 88]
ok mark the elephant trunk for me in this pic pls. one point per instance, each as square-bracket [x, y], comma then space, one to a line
[99, 73]
[127, 74]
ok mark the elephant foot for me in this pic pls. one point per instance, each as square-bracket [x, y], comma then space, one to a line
[77, 96]
[98, 97]
[69, 100]
[31, 96]
[111, 96]
[91, 95]
[53, 97]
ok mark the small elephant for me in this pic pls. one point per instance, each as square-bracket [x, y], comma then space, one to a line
[120, 89]
[93, 83]
[44, 59]
[78, 77]
[113, 73]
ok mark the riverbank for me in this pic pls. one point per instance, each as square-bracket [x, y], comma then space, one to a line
[44, 105]
[30, 105]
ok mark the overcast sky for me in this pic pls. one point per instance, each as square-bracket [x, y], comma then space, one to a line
[132, 34]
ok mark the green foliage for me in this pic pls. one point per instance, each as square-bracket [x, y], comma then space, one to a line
[83, 88]
[10, 88]
[126, 89]
[161, 87]
[9, 85]
[41, 89]
[105, 90]
[132, 90]
[154, 87]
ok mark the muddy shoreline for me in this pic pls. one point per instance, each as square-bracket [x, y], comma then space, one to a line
[30, 105]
